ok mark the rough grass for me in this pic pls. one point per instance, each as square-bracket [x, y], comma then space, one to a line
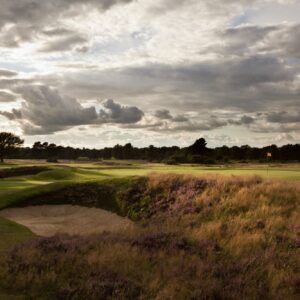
[206, 237]
[11, 234]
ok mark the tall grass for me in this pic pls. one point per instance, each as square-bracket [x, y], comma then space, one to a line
[200, 238]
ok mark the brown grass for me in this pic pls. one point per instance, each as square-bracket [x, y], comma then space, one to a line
[202, 238]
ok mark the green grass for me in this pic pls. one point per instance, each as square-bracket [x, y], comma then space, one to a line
[12, 233]
[15, 188]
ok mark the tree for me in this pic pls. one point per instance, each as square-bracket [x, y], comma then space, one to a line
[128, 151]
[199, 147]
[8, 142]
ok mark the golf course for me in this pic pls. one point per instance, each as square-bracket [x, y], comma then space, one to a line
[140, 230]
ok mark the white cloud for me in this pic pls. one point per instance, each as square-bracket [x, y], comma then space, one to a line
[176, 57]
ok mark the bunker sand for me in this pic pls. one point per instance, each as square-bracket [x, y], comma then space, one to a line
[49, 220]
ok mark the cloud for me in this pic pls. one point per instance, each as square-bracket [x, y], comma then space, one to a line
[64, 43]
[278, 128]
[163, 121]
[239, 83]
[15, 114]
[283, 117]
[45, 111]
[36, 11]
[244, 120]
[172, 70]
[21, 21]
[116, 113]
[165, 114]
[207, 125]
[7, 73]
[7, 96]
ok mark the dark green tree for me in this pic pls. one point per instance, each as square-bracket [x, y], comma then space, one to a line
[199, 147]
[8, 142]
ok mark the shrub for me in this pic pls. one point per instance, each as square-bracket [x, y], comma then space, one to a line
[52, 160]
[170, 161]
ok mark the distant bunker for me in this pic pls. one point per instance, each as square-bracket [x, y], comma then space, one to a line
[49, 220]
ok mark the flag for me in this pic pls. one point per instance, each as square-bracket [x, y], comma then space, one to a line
[269, 154]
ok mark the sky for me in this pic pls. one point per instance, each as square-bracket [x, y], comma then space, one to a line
[95, 73]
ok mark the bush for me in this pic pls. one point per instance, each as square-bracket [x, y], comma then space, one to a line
[52, 160]
[170, 161]
[200, 159]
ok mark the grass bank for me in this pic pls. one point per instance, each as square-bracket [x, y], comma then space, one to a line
[207, 237]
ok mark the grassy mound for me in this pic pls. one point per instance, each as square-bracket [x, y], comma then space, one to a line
[202, 238]
[21, 171]
[57, 174]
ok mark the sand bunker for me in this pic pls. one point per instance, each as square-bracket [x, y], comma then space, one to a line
[48, 220]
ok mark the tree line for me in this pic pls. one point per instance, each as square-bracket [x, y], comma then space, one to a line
[198, 152]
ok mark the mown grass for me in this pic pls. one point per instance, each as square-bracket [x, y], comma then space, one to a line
[83, 172]
[12, 234]
[208, 237]
[128, 168]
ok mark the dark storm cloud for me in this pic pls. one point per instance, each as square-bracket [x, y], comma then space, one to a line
[45, 111]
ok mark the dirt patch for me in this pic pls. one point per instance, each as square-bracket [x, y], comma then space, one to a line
[48, 220]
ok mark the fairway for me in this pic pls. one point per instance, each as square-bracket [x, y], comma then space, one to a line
[15, 188]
